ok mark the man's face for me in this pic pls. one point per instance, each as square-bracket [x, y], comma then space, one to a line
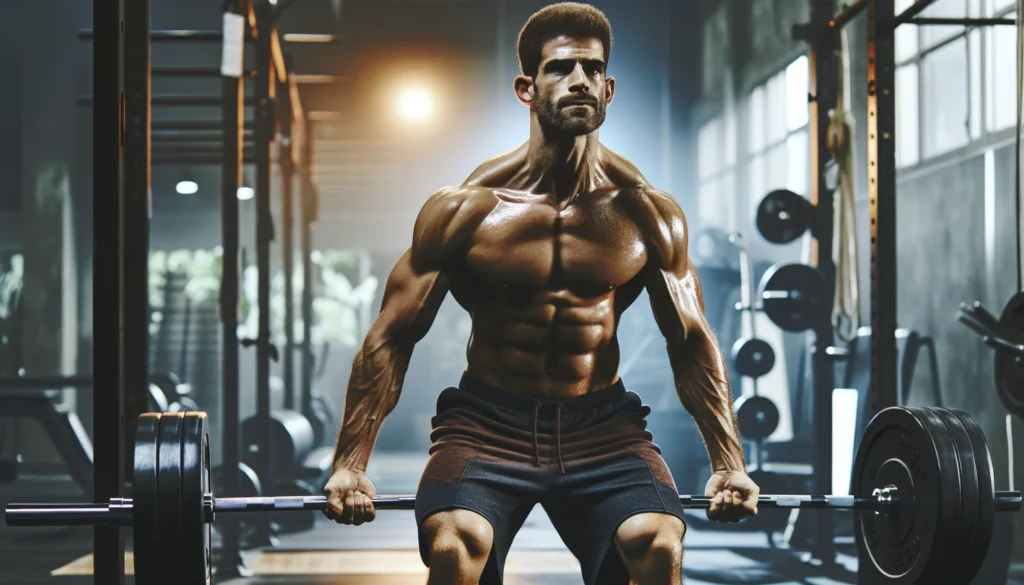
[571, 92]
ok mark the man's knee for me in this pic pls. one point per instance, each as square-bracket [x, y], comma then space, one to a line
[458, 538]
[652, 537]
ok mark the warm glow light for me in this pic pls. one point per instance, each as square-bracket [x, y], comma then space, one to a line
[246, 193]
[186, 187]
[415, 104]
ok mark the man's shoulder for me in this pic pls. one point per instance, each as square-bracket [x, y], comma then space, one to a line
[452, 211]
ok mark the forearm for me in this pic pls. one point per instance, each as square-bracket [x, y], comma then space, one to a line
[378, 372]
[702, 383]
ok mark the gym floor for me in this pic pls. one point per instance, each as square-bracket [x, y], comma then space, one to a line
[382, 552]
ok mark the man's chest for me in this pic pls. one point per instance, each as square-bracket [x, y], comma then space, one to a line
[591, 248]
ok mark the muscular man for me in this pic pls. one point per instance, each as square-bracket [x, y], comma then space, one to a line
[545, 247]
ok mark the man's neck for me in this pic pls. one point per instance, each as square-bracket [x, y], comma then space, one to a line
[562, 167]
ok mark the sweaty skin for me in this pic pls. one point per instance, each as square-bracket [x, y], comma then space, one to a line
[545, 247]
[545, 282]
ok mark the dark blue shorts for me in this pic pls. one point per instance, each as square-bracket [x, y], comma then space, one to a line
[588, 461]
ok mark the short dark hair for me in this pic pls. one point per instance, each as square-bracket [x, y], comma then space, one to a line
[573, 19]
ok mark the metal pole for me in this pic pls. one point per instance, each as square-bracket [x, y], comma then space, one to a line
[308, 219]
[230, 562]
[286, 153]
[265, 129]
[882, 199]
[135, 217]
[824, 80]
[108, 397]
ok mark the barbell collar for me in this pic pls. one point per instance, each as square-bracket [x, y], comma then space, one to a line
[118, 512]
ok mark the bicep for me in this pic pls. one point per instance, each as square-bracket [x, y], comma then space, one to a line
[420, 279]
[412, 298]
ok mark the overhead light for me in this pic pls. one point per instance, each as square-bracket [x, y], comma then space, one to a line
[415, 104]
[246, 193]
[186, 187]
[186, 184]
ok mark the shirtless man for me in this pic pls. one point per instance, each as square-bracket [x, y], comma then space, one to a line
[545, 247]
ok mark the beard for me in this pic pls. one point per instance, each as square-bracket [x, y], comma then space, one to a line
[560, 118]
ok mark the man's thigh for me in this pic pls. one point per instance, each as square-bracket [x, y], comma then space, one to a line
[592, 503]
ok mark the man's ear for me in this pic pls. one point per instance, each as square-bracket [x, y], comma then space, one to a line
[609, 90]
[525, 90]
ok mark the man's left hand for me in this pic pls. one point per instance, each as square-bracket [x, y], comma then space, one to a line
[734, 496]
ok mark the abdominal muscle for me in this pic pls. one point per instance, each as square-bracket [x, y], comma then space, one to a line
[553, 347]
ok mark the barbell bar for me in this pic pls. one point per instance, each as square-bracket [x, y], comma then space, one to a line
[922, 487]
[118, 512]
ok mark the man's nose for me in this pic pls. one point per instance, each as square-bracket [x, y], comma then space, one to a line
[578, 81]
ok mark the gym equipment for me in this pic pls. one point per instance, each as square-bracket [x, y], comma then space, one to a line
[291, 440]
[756, 416]
[795, 296]
[753, 357]
[1009, 369]
[923, 516]
[783, 216]
[1006, 335]
[325, 422]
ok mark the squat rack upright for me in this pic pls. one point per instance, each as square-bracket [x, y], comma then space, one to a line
[123, 133]
[823, 36]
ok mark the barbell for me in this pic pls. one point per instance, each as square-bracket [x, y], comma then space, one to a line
[922, 486]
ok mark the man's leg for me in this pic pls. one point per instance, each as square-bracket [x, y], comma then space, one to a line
[651, 546]
[458, 545]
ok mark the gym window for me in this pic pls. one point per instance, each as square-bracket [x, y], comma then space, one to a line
[738, 166]
[961, 81]
[777, 149]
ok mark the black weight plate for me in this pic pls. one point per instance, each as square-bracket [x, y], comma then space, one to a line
[898, 449]
[170, 499]
[290, 439]
[146, 535]
[752, 357]
[782, 216]
[965, 534]
[795, 296]
[1009, 373]
[756, 416]
[978, 550]
[196, 538]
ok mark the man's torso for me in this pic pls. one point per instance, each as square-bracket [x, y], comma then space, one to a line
[546, 282]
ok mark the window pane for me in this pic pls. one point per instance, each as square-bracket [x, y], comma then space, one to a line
[755, 181]
[907, 133]
[798, 163]
[755, 119]
[729, 139]
[716, 200]
[930, 34]
[707, 201]
[906, 42]
[797, 88]
[727, 200]
[906, 36]
[1003, 68]
[775, 168]
[775, 113]
[944, 104]
[709, 148]
[975, 86]
[998, 5]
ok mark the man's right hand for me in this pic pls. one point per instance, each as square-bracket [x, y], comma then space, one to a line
[349, 498]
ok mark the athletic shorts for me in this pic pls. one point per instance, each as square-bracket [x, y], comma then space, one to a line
[589, 461]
